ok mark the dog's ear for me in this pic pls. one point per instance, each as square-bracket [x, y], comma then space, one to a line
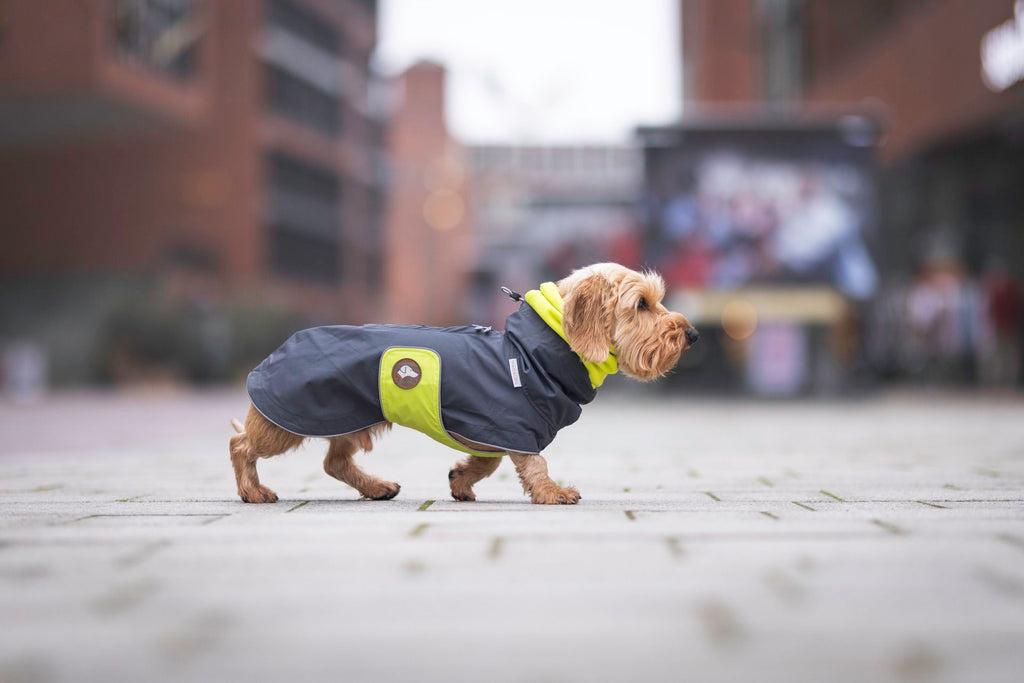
[587, 317]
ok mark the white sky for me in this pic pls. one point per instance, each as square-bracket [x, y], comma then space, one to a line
[551, 71]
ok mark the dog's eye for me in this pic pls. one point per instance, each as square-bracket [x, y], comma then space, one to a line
[642, 304]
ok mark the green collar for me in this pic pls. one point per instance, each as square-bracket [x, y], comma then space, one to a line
[547, 302]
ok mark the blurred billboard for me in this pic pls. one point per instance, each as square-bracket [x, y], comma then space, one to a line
[760, 203]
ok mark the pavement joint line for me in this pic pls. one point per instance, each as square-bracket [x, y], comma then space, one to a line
[889, 527]
[296, 507]
[494, 550]
[426, 504]
[630, 515]
[720, 623]
[131, 499]
[832, 495]
[37, 489]
[215, 519]
[712, 496]
[952, 487]
[765, 481]
[863, 501]
[784, 586]
[419, 529]
[414, 567]
[195, 636]
[1001, 583]
[125, 597]
[216, 515]
[987, 472]
[804, 506]
[770, 515]
[147, 551]
[932, 505]
[1010, 539]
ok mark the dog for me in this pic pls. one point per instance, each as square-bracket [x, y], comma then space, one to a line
[480, 391]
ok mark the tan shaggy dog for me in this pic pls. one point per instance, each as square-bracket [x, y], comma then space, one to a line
[605, 306]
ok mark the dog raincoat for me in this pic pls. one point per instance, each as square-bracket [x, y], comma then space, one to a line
[510, 390]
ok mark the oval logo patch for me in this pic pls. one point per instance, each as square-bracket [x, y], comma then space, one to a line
[406, 373]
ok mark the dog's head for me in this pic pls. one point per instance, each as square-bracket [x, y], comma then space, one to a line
[609, 305]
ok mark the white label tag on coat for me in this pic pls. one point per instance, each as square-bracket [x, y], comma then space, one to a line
[513, 367]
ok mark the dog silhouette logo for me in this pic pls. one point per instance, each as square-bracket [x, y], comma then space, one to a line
[406, 373]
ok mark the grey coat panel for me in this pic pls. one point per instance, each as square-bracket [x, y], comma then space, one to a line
[324, 381]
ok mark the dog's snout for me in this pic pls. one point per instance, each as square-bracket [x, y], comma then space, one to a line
[692, 335]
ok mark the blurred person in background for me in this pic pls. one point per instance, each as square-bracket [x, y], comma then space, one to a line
[999, 352]
[942, 323]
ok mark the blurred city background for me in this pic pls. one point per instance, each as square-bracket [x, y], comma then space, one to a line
[831, 189]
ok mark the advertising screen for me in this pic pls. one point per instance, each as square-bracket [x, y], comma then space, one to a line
[734, 206]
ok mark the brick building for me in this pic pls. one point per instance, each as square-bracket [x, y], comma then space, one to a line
[953, 151]
[945, 79]
[229, 145]
[430, 243]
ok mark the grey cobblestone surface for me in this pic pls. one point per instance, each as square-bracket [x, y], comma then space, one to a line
[875, 540]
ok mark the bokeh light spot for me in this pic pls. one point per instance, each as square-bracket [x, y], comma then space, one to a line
[739, 319]
[443, 210]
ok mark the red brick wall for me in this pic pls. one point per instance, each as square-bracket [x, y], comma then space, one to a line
[427, 267]
[924, 71]
[720, 51]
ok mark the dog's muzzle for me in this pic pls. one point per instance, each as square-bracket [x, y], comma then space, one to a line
[692, 335]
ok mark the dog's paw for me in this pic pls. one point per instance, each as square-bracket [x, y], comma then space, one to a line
[555, 495]
[259, 494]
[382, 490]
[463, 494]
[459, 489]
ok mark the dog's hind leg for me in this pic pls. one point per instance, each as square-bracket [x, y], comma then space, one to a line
[533, 473]
[260, 438]
[340, 463]
[467, 472]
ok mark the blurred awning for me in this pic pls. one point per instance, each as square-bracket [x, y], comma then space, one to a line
[821, 305]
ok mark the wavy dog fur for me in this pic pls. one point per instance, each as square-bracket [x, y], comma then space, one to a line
[608, 304]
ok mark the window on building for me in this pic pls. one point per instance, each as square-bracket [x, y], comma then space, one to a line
[304, 210]
[304, 23]
[295, 99]
[160, 34]
[302, 54]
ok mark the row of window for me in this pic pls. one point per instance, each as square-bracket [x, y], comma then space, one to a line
[304, 210]
[303, 23]
[569, 159]
[297, 100]
[161, 34]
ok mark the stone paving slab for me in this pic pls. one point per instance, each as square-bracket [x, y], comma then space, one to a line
[717, 541]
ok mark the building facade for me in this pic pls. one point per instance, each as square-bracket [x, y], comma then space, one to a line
[945, 81]
[430, 241]
[228, 147]
[944, 78]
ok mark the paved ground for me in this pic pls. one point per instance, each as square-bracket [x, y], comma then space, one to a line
[879, 540]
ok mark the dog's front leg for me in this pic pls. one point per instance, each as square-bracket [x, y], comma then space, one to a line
[533, 473]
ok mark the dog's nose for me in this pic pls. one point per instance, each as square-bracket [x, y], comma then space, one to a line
[692, 335]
